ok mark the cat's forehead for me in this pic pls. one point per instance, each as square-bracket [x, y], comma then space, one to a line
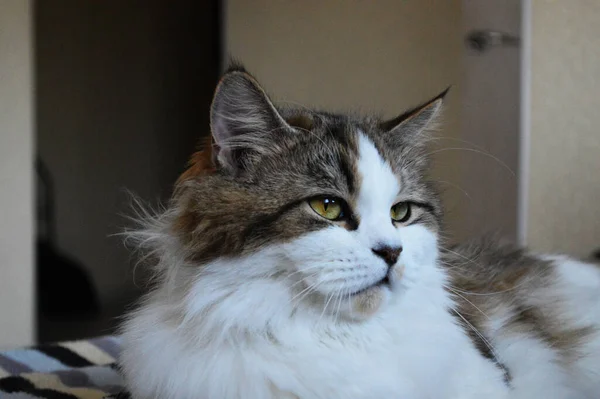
[334, 139]
[326, 152]
[322, 153]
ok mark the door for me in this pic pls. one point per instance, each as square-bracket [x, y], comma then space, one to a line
[491, 122]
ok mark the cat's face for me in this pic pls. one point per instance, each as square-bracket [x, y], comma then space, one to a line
[334, 209]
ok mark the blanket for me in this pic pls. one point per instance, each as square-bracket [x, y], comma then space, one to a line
[69, 370]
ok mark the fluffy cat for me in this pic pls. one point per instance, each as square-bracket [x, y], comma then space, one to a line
[300, 258]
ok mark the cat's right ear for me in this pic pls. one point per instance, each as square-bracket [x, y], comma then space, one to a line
[413, 125]
[243, 121]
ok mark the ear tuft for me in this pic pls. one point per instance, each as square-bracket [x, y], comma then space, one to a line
[235, 66]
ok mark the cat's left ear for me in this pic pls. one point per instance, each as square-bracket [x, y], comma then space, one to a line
[244, 122]
[412, 126]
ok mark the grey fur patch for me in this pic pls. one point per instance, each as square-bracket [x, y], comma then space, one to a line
[489, 277]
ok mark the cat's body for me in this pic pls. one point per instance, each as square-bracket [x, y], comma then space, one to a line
[539, 315]
[305, 263]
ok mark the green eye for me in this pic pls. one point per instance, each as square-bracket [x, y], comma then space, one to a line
[329, 208]
[400, 212]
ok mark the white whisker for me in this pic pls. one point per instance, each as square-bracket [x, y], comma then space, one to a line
[472, 304]
[479, 334]
[503, 164]
[328, 299]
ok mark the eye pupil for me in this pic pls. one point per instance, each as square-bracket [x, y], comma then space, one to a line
[329, 208]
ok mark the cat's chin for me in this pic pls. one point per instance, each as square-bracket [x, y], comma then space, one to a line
[369, 301]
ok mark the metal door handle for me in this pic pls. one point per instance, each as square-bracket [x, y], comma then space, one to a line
[482, 40]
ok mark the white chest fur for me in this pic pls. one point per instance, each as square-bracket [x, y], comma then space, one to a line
[412, 349]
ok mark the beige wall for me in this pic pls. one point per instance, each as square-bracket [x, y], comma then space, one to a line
[564, 166]
[16, 164]
[348, 55]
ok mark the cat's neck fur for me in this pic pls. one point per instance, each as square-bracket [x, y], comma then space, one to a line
[257, 334]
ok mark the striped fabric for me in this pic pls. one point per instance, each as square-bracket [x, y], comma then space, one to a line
[69, 370]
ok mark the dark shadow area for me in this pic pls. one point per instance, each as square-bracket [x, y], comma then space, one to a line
[123, 90]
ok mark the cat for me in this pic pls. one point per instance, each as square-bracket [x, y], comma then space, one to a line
[300, 257]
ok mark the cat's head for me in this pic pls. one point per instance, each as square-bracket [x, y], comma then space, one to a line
[333, 212]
